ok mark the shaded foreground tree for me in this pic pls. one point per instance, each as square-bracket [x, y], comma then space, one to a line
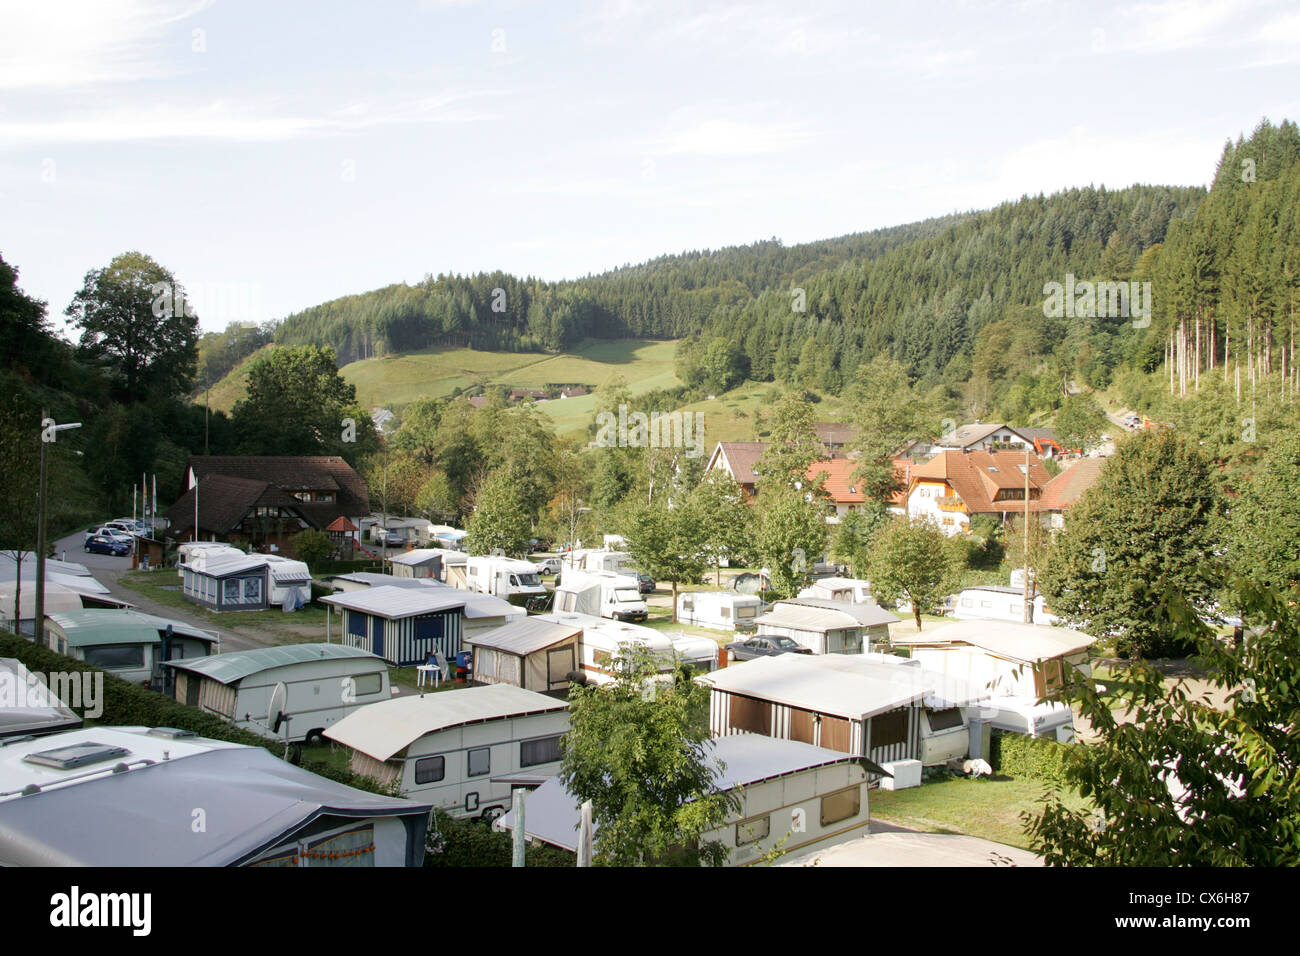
[1179, 782]
[636, 750]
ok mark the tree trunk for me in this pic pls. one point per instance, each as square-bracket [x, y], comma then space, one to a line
[674, 602]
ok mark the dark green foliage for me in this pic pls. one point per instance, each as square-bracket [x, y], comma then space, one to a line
[454, 842]
[1033, 758]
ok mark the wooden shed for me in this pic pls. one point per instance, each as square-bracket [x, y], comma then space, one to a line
[531, 653]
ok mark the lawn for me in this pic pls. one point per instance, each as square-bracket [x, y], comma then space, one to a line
[987, 807]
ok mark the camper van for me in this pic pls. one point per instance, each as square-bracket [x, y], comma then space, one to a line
[601, 594]
[323, 684]
[720, 610]
[514, 580]
[462, 750]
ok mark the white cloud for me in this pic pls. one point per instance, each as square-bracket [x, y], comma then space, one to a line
[76, 43]
[232, 121]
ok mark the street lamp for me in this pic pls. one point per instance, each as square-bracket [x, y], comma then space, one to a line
[49, 433]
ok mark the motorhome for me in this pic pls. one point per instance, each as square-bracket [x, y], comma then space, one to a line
[601, 594]
[514, 580]
[323, 683]
[720, 610]
[463, 750]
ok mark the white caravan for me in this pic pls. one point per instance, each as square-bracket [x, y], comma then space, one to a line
[197, 553]
[461, 750]
[995, 602]
[700, 654]
[598, 559]
[601, 594]
[853, 590]
[720, 610]
[513, 579]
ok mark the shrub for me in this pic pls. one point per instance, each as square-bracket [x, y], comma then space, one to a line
[454, 842]
[1034, 758]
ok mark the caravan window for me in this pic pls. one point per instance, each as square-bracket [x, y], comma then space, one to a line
[945, 719]
[430, 769]
[747, 611]
[726, 613]
[364, 684]
[480, 761]
[753, 830]
[841, 805]
[539, 751]
[115, 656]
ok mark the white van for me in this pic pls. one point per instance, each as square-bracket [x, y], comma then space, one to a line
[461, 750]
[513, 579]
[721, 610]
[601, 594]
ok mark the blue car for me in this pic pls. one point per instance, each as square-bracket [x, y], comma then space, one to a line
[99, 544]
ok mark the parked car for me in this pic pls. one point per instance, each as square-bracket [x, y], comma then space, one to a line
[764, 647]
[645, 583]
[102, 544]
[549, 566]
[107, 531]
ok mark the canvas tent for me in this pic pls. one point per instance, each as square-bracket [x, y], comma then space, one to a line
[532, 653]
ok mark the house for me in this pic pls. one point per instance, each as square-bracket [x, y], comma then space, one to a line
[1017, 665]
[462, 750]
[404, 626]
[28, 707]
[954, 486]
[737, 459]
[525, 395]
[1046, 443]
[477, 401]
[131, 644]
[323, 683]
[835, 436]
[133, 796]
[574, 391]
[418, 563]
[887, 710]
[828, 627]
[1067, 488]
[532, 653]
[792, 796]
[981, 437]
[846, 493]
[265, 499]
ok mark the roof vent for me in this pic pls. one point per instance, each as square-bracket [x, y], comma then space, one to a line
[76, 755]
[171, 733]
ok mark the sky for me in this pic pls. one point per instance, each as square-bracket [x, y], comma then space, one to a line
[277, 155]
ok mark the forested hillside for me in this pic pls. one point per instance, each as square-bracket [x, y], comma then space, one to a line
[667, 297]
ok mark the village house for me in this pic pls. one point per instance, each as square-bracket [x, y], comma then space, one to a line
[266, 500]
[1067, 488]
[954, 486]
[845, 491]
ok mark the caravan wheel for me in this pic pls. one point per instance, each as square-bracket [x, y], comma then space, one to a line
[492, 813]
[315, 736]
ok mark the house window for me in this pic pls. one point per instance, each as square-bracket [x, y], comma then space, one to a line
[430, 769]
[753, 830]
[480, 761]
[841, 805]
[539, 751]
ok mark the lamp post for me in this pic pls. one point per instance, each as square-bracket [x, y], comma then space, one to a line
[49, 433]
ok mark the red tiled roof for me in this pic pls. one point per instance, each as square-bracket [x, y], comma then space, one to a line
[844, 489]
[1068, 487]
[341, 523]
[977, 476]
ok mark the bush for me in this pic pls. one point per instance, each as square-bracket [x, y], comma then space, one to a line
[454, 842]
[1033, 758]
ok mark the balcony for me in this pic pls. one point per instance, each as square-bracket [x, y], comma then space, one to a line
[951, 503]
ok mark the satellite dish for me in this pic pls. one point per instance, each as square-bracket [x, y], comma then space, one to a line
[275, 711]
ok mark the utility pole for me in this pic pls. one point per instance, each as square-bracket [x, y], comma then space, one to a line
[1028, 615]
[49, 432]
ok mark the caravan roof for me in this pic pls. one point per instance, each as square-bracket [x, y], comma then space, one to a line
[526, 636]
[93, 626]
[108, 816]
[27, 705]
[398, 602]
[390, 726]
[827, 683]
[1028, 643]
[865, 614]
[235, 666]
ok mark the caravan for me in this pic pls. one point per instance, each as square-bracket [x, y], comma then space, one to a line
[852, 590]
[598, 559]
[995, 602]
[720, 610]
[514, 580]
[601, 594]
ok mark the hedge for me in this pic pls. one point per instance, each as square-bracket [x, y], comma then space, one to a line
[455, 842]
[1035, 758]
